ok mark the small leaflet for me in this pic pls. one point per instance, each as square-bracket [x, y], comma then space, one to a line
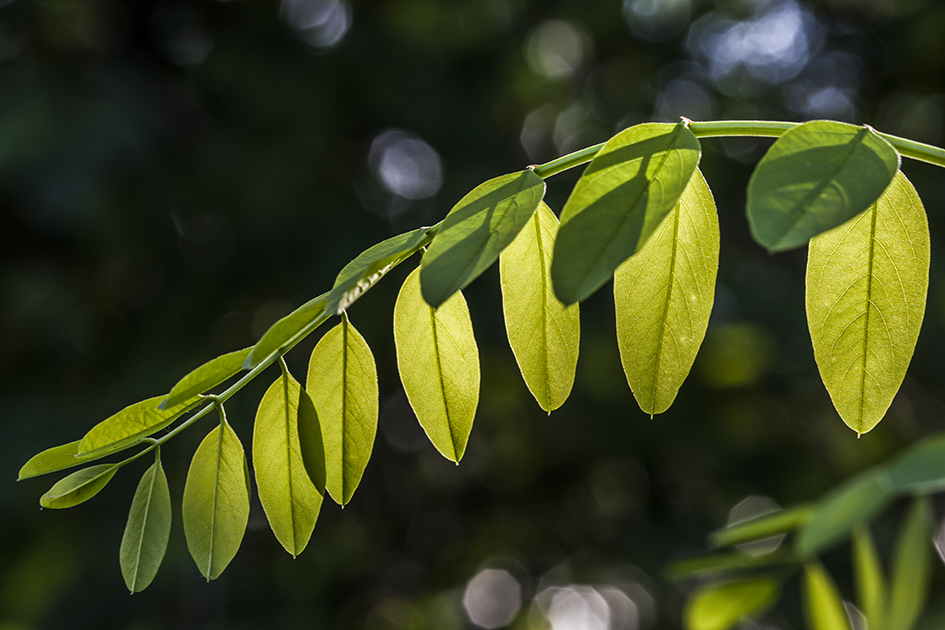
[721, 606]
[78, 487]
[206, 377]
[311, 314]
[55, 459]
[128, 426]
[148, 529]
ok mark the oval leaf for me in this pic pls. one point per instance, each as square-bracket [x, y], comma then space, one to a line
[866, 287]
[438, 361]
[722, 606]
[921, 469]
[476, 230]
[764, 526]
[824, 606]
[544, 335]
[128, 426]
[664, 295]
[55, 459]
[868, 575]
[305, 318]
[621, 199]
[149, 526]
[342, 381]
[815, 177]
[215, 508]
[78, 487]
[206, 377]
[912, 567]
[287, 494]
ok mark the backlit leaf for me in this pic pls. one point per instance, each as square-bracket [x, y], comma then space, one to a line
[723, 606]
[476, 230]
[664, 295]
[215, 508]
[823, 603]
[78, 487]
[206, 377]
[815, 177]
[869, 579]
[619, 202]
[912, 567]
[866, 287]
[342, 381]
[128, 426]
[921, 469]
[55, 459]
[725, 563]
[438, 362]
[147, 531]
[765, 526]
[309, 315]
[544, 335]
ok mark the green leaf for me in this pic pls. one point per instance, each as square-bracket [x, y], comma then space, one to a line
[722, 606]
[342, 381]
[624, 194]
[215, 508]
[288, 496]
[544, 335]
[438, 362]
[78, 487]
[310, 442]
[815, 177]
[866, 286]
[912, 567]
[724, 563]
[664, 295]
[206, 377]
[149, 526]
[765, 526]
[921, 469]
[476, 230]
[823, 603]
[128, 426]
[844, 509]
[868, 575]
[308, 316]
[55, 459]
[371, 265]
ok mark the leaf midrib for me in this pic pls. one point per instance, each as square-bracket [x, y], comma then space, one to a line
[288, 459]
[866, 322]
[669, 297]
[439, 374]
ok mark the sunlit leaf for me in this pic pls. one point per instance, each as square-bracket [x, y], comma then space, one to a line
[824, 606]
[912, 567]
[619, 202]
[342, 381]
[723, 606]
[815, 177]
[206, 377]
[765, 526]
[78, 487]
[438, 362]
[147, 531]
[309, 315]
[215, 508]
[664, 295]
[866, 287]
[921, 469]
[725, 563]
[55, 459]
[287, 494]
[476, 230]
[869, 579]
[544, 335]
[128, 426]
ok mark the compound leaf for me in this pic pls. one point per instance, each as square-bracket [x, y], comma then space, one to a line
[722, 606]
[78, 487]
[128, 426]
[912, 567]
[309, 315]
[824, 606]
[146, 534]
[206, 377]
[869, 579]
[55, 459]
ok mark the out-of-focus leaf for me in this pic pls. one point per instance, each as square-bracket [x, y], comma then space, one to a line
[146, 534]
[823, 603]
[438, 362]
[342, 381]
[288, 496]
[544, 335]
[866, 286]
[55, 459]
[78, 487]
[475, 231]
[206, 377]
[764, 526]
[215, 508]
[725, 562]
[912, 567]
[622, 197]
[868, 575]
[310, 314]
[722, 606]
[921, 469]
[815, 177]
[128, 426]
[664, 295]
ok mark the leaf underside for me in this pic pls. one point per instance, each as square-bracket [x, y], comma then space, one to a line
[78, 487]
[144, 541]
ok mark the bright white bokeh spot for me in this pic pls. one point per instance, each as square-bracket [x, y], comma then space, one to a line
[319, 23]
[556, 49]
[574, 607]
[406, 165]
[492, 598]
[655, 20]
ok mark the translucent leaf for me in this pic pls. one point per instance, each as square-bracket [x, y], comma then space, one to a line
[823, 603]
[438, 362]
[342, 381]
[921, 469]
[78, 487]
[725, 563]
[206, 377]
[664, 295]
[619, 202]
[844, 509]
[544, 335]
[723, 606]
[128, 426]
[215, 508]
[55, 459]
[765, 526]
[371, 265]
[815, 177]
[866, 286]
[912, 567]
[869, 579]
[287, 494]
[311, 314]
[476, 230]
[149, 527]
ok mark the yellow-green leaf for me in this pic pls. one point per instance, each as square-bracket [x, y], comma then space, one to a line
[287, 494]
[307, 317]
[823, 604]
[78, 487]
[722, 606]
[342, 381]
[725, 563]
[55, 459]
[664, 295]
[869, 579]
[206, 377]
[544, 334]
[621, 199]
[215, 508]
[438, 362]
[128, 426]
[912, 567]
[866, 288]
[149, 526]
